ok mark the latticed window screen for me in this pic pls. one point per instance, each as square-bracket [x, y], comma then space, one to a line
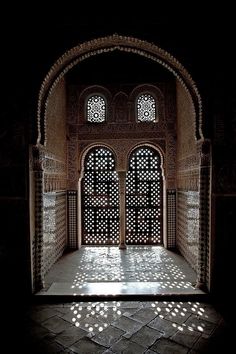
[100, 198]
[146, 108]
[144, 198]
[96, 109]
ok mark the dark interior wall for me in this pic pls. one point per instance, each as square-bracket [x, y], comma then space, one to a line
[202, 42]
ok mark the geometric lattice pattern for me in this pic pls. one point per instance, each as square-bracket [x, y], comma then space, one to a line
[146, 108]
[54, 236]
[171, 218]
[188, 225]
[100, 198]
[96, 109]
[72, 219]
[144, 198]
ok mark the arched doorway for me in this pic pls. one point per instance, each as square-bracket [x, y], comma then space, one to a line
[193, 165]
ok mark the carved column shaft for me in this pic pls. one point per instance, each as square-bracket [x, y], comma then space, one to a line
[122, 183]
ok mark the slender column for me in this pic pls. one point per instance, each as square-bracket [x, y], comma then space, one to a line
[122, 181]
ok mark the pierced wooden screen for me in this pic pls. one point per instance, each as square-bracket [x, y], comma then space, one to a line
[100, 198]
[144, 198]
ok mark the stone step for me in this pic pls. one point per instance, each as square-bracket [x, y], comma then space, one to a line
[124, 290]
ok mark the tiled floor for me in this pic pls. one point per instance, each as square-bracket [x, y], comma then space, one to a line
[108, 327]
[110, 271]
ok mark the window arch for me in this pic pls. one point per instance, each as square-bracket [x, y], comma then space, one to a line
[146, 109]
[96, 109]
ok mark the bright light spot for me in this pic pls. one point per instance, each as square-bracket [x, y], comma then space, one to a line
[100, 329]
[200, 328]
[79, 315]
[75, 312]
[77, 324]
[90, 329]
[118, 312]
[174, 325]
[180, 328]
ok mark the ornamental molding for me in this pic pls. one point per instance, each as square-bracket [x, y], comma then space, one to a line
[109, 44]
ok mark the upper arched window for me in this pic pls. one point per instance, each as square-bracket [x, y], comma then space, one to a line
[96, 109]
[146, 108]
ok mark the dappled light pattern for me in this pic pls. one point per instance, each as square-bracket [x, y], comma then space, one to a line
[181, 315]
[94, 317]
[135, 264]
[127, 327]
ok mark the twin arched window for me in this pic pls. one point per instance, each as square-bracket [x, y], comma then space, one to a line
[145, 108]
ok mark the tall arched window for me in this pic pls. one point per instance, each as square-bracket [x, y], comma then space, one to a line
[144, 193]
[100, 198]
[96, 109]
[146, 108]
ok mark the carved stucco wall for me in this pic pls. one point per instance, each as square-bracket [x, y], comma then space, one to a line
[187, 179]
[56, 120]
[122, 135]
[55, 151]
[54, 165]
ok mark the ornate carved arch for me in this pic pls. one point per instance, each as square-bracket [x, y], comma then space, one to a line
[108, 44]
